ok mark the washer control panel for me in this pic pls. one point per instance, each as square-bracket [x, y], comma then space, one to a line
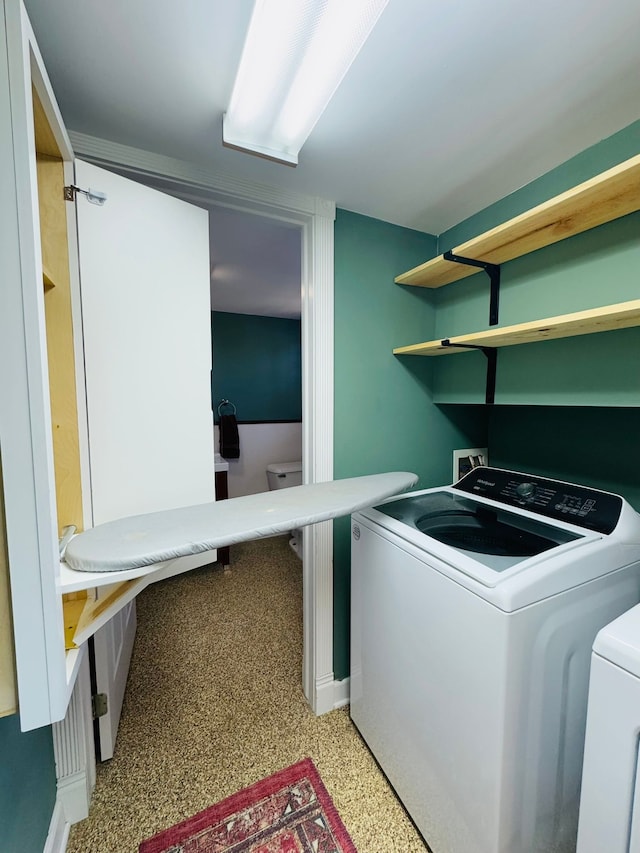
[579, 505]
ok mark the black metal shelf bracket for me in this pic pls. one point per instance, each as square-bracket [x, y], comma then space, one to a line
[491, 354]
[493, 271]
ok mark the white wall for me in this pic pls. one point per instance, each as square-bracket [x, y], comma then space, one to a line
[260, 445]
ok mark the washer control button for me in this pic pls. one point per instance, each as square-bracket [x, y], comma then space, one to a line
[526, 491]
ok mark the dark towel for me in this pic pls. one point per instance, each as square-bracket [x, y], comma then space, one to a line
[229, 438]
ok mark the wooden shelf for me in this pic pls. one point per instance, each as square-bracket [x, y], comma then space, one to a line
[606, 197]
[620, 316]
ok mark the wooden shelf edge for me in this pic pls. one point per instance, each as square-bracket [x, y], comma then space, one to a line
[601, 199]
[608, 318]
[436, 273]
[72, 611]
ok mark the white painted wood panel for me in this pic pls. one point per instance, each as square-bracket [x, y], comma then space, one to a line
[113, 645]
[74, 750]
[144, 269]
[25, 418]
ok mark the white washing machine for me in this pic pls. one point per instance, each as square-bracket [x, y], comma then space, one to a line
[610, 798]
[474, 610]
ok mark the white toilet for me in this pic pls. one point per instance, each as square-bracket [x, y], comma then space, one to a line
[283, 475]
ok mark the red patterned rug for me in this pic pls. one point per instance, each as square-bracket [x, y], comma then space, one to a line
[289, 812]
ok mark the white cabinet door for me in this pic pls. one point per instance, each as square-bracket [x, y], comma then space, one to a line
[150, 440]
[144, 273]
[25, 418]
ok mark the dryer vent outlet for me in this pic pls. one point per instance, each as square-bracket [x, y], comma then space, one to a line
[465, 460]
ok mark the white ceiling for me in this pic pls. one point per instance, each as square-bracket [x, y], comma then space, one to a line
[449, 106]
[256, 264]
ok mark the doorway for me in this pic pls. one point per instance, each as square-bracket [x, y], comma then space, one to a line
[256, 334]
[315, 218]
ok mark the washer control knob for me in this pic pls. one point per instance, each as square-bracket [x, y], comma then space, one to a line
[526, 491]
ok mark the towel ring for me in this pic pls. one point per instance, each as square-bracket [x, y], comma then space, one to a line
[226, 403]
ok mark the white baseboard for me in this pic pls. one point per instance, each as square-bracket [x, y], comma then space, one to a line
[341, 693]
[74, 795]
[331, 694]
[323, 695]
[58, 831]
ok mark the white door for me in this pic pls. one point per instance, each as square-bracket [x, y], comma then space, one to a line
[113, 645]
[144, 274]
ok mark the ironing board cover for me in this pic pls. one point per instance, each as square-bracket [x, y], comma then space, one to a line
[143, 540]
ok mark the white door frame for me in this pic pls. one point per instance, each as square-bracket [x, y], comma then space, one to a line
[315, 217]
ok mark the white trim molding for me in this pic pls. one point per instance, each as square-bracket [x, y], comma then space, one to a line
[73, 748]
[219, 187]
[315, 217]
[58, 834]
[317, 445]
[342, 693]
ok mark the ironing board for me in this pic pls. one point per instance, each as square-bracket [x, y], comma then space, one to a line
[145, 540]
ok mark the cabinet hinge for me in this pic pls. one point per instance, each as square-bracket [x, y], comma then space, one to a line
[94, 196]
[99, 705]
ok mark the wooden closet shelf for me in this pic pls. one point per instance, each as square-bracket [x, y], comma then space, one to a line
[620, 316]
[606, 197]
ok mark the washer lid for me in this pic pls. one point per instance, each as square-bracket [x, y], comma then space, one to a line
[488, 534]
[619, 642]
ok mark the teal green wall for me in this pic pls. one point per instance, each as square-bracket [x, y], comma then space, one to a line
[257, 365]
[385, 419]
[586, 271]
[27, 787]
[594, 446]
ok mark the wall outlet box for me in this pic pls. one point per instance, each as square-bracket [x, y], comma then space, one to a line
[465, 460]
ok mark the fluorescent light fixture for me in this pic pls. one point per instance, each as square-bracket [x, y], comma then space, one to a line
[294, 58]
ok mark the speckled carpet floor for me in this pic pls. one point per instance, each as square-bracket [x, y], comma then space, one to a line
[214, 703]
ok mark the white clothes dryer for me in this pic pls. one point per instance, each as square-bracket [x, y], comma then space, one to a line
[610, 798]
[474, 610]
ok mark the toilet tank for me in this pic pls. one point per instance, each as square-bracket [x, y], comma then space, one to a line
[281, 475]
